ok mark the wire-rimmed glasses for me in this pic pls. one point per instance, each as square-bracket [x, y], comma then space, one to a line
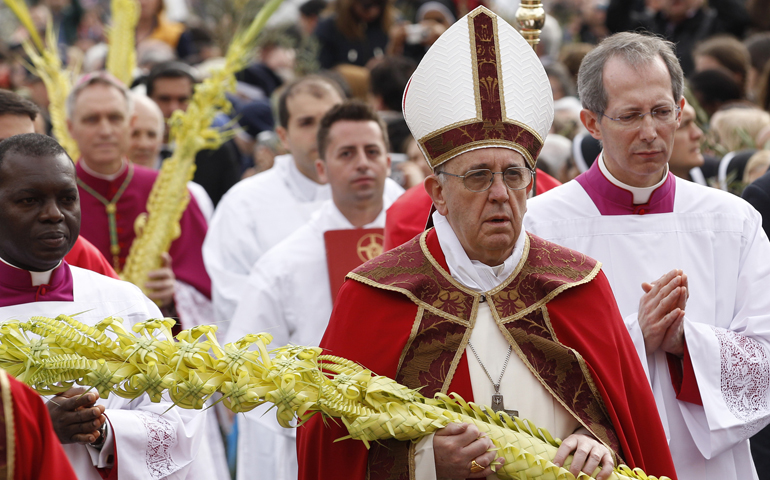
[515, 178]
[664, 114]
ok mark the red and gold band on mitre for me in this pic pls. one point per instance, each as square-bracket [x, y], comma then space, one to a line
[480, 85]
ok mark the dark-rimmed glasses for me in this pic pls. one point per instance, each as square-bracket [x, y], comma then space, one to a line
[515, 178]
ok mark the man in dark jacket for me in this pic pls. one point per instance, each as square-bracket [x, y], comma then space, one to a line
[758, 195]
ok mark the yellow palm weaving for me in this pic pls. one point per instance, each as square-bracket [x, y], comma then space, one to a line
[51, 355]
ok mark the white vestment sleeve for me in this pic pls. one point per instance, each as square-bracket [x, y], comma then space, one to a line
[260, 308]
[649, 365]
[104, 457]
[262, 442]
[193, 307]
[732, 364]
[229, 251]
[153, 441]
[424, 459]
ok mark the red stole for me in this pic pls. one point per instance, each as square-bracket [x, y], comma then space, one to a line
[30, 449]
[448, 311]
[375, 326]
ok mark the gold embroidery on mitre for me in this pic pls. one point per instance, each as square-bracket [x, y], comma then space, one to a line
[490, 126]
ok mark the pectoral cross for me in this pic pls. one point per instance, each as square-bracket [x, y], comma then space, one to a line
[498, 405]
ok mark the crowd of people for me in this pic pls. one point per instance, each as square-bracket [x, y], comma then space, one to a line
[611, 285]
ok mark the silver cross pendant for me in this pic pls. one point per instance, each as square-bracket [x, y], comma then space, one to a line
[498, 405]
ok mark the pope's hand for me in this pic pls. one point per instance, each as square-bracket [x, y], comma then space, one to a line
[661, 313]
[456, 446]
[588, 454]
[74, 416]
[161, 283]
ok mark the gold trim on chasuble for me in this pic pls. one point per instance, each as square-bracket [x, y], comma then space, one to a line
[446, 316]
[491, 127]
[8, 450]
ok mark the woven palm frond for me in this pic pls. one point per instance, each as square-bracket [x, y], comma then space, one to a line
[191, 132]
[299, 381]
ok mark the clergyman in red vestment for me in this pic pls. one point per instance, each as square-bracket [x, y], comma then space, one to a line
[478, 306]
[29, 449]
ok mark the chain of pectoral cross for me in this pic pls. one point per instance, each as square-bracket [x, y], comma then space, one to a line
[498, 403]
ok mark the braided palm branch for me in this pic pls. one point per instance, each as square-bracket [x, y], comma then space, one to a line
[121, 56]
[51, 355]
[191, 131]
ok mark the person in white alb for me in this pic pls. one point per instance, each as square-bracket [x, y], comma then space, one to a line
[39, 222]
[288, 292]
[688, 264]
[260, 211]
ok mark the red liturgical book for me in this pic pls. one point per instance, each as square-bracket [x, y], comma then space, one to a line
[347, 249]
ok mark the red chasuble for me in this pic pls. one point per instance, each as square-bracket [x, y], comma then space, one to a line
[186, 251]
[557, 305]
[85, 255]
[409, 214]
[29, 447]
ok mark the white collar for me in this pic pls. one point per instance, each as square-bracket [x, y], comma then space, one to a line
[329, 217]
[110, 177]
[641, 194]
[341, 222]
[303, 188]
[38, 278]
[472, 273]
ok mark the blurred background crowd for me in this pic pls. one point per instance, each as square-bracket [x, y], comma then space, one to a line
[371, 47]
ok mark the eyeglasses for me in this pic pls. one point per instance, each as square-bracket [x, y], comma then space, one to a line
[663, 115]
[515, 178]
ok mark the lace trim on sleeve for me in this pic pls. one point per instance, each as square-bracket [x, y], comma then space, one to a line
[160, 438]
[745, 378]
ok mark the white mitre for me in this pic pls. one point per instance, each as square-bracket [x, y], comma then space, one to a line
[480, 85]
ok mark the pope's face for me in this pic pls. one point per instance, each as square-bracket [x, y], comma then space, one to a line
[39, 210]
[486, 223]
[635, 155]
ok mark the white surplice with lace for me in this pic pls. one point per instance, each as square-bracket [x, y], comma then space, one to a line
[717, 240]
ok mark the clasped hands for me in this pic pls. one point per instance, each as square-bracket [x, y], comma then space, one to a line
[75, 417]
[458, 445]
[661, 313]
